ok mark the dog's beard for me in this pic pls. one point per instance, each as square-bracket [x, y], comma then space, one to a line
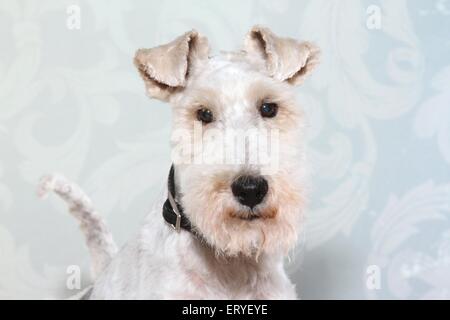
[270, 231]
[232, 230]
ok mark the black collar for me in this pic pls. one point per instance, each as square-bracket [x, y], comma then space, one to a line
[172, 211]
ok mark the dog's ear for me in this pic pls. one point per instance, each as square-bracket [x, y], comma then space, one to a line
[165, 68]
[286, 59]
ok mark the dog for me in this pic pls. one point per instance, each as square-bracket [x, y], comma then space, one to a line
[225, 227]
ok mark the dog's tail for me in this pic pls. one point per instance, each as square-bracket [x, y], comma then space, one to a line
[98, 238]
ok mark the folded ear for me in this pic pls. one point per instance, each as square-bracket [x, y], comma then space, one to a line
[286, 59]
[165, 69]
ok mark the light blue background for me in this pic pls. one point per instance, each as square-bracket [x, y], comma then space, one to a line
[379, 113]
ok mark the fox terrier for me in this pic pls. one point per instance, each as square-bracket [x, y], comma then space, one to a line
[226, 225]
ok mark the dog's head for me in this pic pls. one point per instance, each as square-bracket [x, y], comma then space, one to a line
[237, 137]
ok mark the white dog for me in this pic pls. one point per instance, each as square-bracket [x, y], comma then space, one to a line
[226, 226]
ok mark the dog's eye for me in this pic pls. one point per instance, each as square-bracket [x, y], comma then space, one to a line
[205, 115]
[268, 109]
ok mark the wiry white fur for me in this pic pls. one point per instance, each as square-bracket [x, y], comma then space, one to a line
[235, 258]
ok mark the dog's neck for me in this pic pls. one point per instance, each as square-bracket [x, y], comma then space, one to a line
[234, 272]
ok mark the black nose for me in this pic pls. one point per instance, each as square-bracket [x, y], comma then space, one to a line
[250, 190]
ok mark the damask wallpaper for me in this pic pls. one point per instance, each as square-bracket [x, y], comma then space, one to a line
[378, 110]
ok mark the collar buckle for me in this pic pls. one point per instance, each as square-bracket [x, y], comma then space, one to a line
[177, 225]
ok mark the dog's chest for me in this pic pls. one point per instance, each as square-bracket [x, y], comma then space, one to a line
[197, 287]
[225, 280]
